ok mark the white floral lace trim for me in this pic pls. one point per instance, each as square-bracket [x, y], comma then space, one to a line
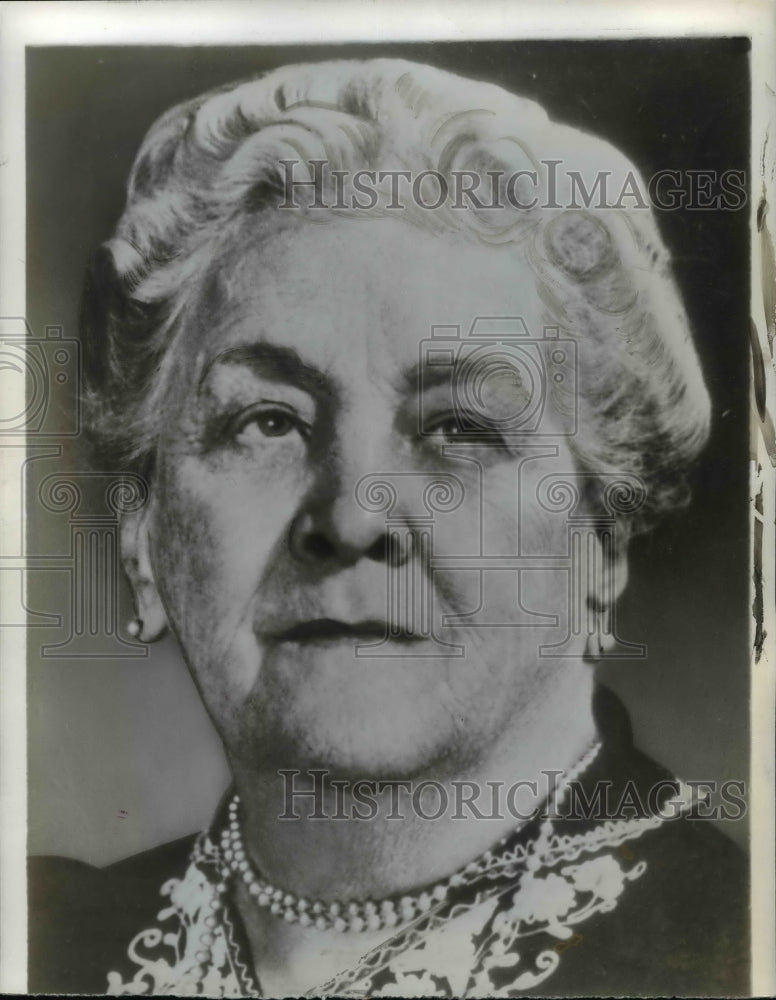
[170, 959]
[442, 964]
[193, 954]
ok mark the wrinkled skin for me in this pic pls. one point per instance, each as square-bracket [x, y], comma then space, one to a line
[254, 527]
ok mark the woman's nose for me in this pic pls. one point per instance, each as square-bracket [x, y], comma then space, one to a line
[333, 525]
[345, 540]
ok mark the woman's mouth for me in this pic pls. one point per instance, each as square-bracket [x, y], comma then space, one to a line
[368, 630]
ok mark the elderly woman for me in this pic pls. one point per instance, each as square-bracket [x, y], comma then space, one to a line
[402, 390]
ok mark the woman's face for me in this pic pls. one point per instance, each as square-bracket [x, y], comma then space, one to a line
[308, 370]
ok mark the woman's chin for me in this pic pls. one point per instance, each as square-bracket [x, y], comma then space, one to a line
[368, 717]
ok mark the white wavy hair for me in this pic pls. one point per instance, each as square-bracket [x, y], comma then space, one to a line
[211, 164]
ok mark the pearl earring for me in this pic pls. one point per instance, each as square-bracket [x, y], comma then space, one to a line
[600, 641]
[135, 627]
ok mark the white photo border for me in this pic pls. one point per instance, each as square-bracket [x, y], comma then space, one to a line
[278, 22]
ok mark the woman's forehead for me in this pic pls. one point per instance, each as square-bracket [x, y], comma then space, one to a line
[341, 291]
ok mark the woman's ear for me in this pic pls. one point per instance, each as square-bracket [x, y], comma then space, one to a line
[608, 570]
[136, 559]
[607, 575]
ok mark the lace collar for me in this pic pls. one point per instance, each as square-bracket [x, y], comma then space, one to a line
[505, 933]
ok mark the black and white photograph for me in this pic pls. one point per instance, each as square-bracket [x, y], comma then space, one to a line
[390, 417]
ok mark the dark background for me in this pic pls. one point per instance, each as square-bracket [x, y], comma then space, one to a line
[120, 753]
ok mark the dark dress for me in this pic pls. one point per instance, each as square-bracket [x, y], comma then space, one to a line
[681, 929]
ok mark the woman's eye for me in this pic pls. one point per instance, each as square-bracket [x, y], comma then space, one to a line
[461, 427]
[274, 424]
[266, 423]
[449, 428]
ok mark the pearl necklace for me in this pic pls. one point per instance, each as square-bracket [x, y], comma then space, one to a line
[374, 915]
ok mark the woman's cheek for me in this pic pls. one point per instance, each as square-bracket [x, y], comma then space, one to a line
[218, 532]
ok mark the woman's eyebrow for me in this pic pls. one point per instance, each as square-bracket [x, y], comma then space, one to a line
[275, 363]
[427, 374]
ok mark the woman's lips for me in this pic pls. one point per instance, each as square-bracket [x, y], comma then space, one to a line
[333, 630]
